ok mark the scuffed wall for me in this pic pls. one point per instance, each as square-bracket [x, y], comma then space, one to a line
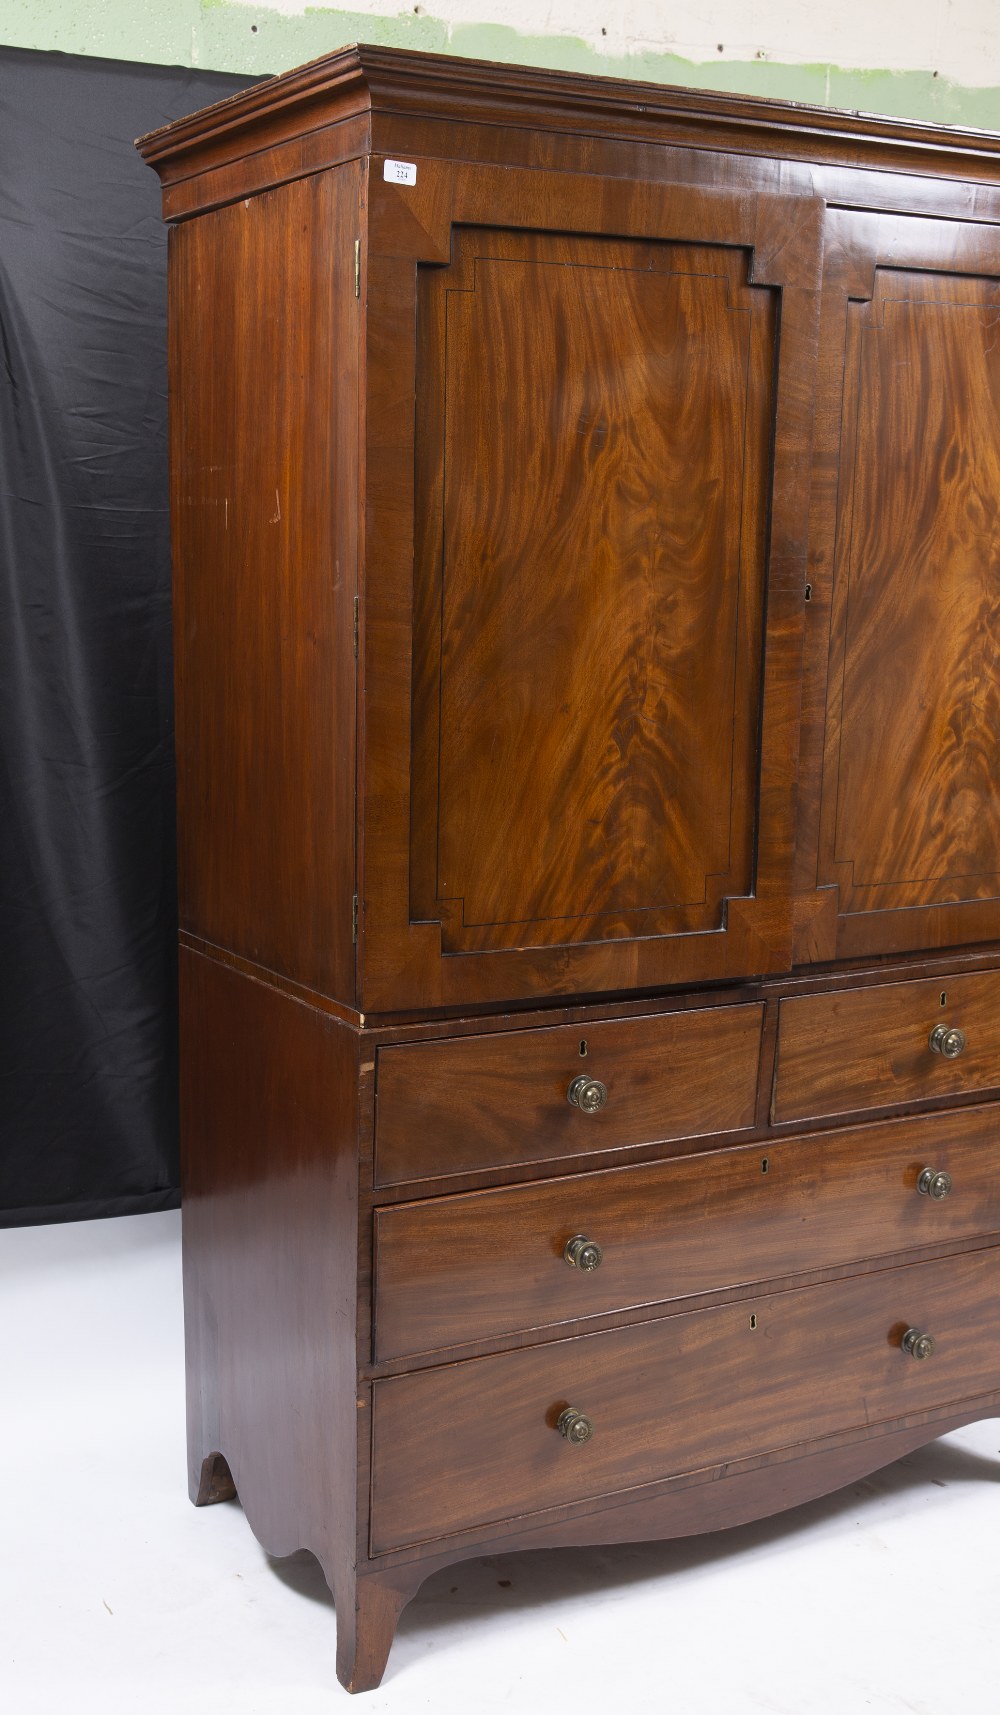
[923, 59]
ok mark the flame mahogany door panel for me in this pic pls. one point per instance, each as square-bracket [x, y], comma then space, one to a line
[585, 558]
[905, 834]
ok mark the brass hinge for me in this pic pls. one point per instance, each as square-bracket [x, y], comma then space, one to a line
[357, 267]
[357, 622]
[354, 918]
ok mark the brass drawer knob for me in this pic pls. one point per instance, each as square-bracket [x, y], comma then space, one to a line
[587, 1094]
[581, 1252]
[933, 1184]
[918, 1345]
[574, 1426]
[947, 1040]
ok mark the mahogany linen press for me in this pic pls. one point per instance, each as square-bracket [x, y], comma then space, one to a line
[586, 511]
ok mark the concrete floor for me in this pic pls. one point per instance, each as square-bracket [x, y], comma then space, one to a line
[117, 1597]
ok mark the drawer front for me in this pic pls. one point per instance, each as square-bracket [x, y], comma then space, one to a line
[476, 1102]
[477, 1442]
[855, 1049]
[474, 1267]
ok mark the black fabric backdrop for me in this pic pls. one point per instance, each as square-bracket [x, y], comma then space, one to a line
[88, 1110]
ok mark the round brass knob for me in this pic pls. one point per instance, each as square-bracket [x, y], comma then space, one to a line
[581, 1252]
[918, 1345]
[947, 1040]
[587, 1094]
[574, 1426]
[932, 1184]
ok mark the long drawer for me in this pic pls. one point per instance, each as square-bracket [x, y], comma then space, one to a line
[854, 1050]
[459, 1269]
[478, 1442]
[466, 1103]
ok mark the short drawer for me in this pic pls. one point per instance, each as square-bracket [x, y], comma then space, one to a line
[856, 1049]
[451, 1270]
[471, 1102]
[478, 1442]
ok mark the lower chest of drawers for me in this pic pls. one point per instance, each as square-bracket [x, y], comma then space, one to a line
[436, 1307]
[583, 1337]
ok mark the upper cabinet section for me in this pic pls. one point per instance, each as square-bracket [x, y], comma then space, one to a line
[908, 545]
[588, 423]
[587, 535]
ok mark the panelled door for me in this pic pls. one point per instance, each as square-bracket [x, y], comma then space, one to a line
[588, 421]
[903, 794]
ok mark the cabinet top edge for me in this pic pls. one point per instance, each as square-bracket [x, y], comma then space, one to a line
[363, 78]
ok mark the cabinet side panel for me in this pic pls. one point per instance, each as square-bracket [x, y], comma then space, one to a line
[269, 1125]
[264, 451]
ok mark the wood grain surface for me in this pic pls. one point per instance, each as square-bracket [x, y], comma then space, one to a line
[918, 814]
[269, 1182]
[450, 1270]
[594, 420]
[453, 1105]
[265, 548]
[899, 829]
[456, 1447]
[860, 1049]
[715, 1498]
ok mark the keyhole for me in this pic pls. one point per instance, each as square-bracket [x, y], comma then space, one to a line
[583, 1047]
[765, 1164]
[753, 1321]
[944, 998]
[809, 592]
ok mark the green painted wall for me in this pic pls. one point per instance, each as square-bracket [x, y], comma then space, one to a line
[226, 37]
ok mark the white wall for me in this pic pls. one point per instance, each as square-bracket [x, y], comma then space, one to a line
[933, 60]
[960, 39]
